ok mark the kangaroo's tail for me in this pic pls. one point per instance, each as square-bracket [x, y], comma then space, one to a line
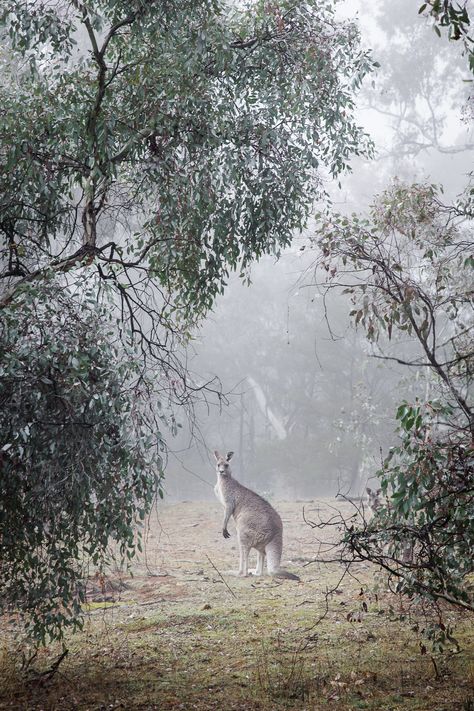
[282, 573]
[273, 553]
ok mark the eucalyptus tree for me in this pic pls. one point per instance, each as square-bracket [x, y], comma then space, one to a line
[80, 458]
[152, 147]
[196, 128]
[407, 266]
[408, 270]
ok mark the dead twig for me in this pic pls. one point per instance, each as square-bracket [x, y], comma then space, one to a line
[221, 577]
[437, 674]
[48, 674]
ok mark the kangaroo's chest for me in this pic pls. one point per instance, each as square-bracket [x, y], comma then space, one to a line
[219, 493]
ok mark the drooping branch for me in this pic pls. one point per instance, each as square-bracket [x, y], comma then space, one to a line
[362, 540]
[384, 266]
[83, 257]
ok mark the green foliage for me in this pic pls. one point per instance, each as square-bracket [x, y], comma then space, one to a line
[427, 521]
[452, 16]
[199, 128]
[407, 269]
[80, 454]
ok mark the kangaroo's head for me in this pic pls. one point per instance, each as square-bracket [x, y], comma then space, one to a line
[375, 499]
[222, 463]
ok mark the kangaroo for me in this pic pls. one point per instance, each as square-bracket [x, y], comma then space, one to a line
[375, 500]
[258, 525]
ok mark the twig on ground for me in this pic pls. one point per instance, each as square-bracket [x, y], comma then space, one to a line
[221, 577]
[48, 674]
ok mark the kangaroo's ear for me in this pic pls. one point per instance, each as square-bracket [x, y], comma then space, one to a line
[216, 454]
[229, 456]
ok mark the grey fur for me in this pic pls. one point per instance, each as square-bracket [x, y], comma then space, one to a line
[375, 500]
[258, 525]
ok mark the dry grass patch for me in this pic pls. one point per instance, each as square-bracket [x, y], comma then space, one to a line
[203, 647]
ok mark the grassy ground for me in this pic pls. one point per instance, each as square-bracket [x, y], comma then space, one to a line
[180, 635]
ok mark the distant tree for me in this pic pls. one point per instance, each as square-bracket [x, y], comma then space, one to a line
[156, 146]
[419, 84]
[333, 405]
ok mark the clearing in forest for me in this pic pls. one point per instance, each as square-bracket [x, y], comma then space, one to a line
[182, 634]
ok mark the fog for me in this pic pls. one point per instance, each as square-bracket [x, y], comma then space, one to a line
[306, 407]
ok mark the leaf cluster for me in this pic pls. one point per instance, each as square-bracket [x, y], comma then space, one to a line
[455, 18]
[407, 269]
[192, 133]
[423, 533]
[80, 457]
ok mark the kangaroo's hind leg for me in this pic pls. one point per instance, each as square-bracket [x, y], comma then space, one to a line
[260, 562]
[244, 550]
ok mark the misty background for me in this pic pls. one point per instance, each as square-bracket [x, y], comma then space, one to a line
[306, 407]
